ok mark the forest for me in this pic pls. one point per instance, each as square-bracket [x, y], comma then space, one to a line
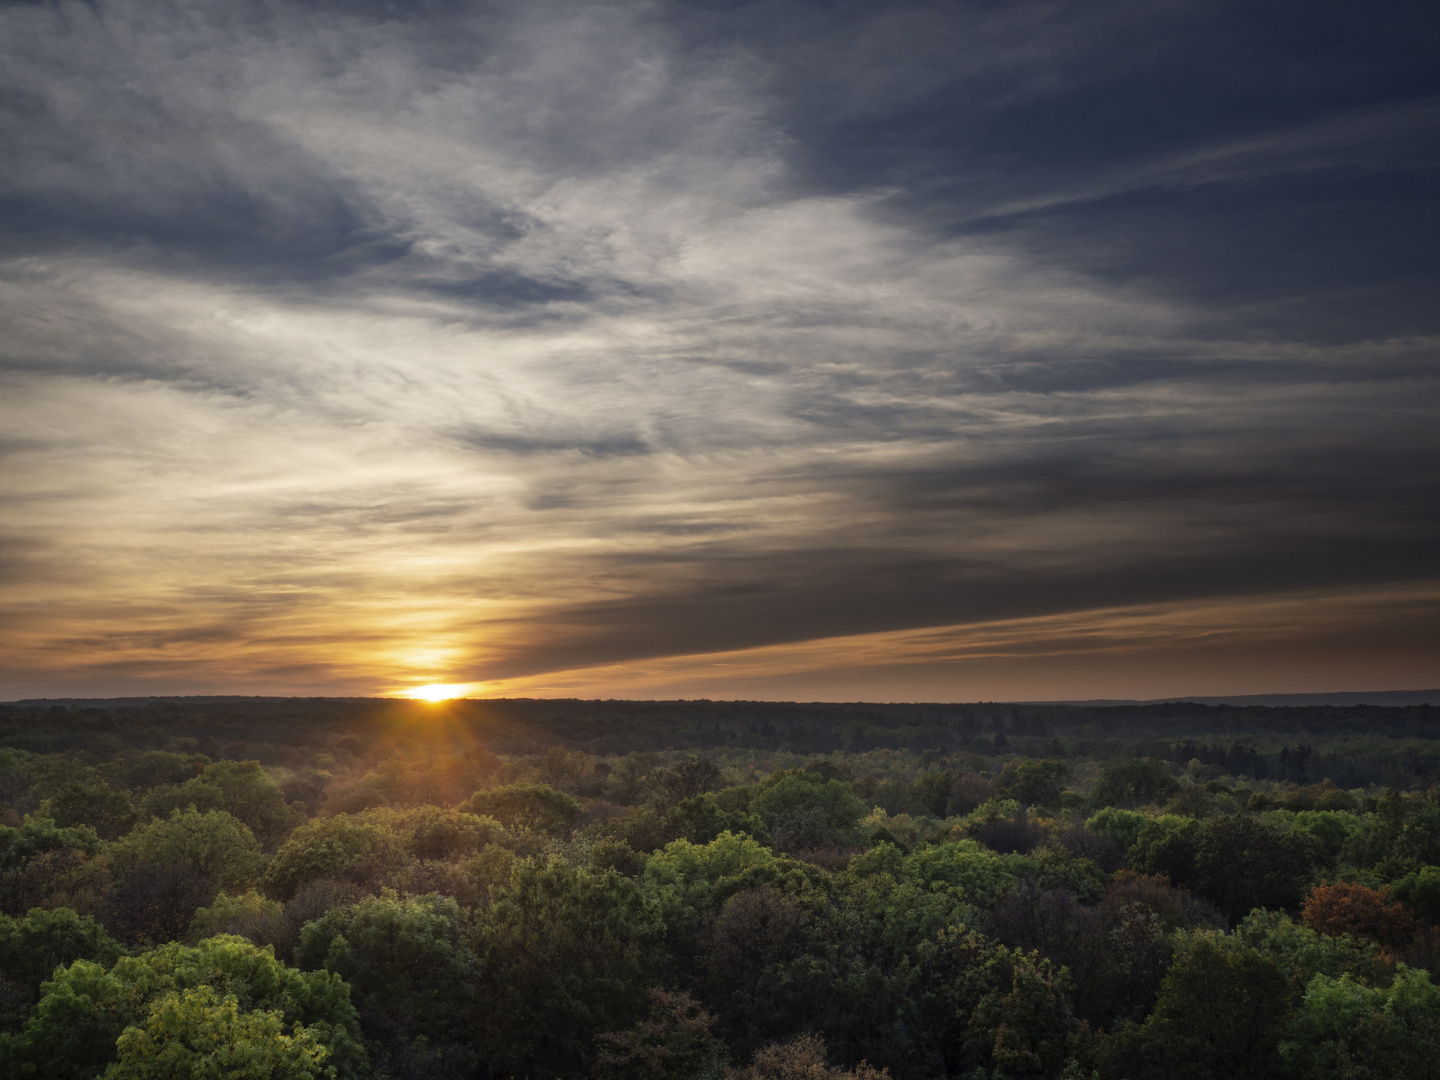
[367, 889]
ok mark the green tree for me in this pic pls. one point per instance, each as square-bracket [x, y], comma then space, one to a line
[1420, 890]
[31, 948]
[164, 800]
[1302, 953]
[990, 1008]
[411, 972]
[1419, 841]
[983, 875]
[702, 819]
[199, 1034]
[156, 767]
[250, 915]
[381, 846]
[216, 844]
[803, 810]
[1243, 863]
[932, 791]
[1122, 826]
[253, 796]
[1346, 1029]
[348, 847]
[1136, 782]
[86, 799]
[46, 865]
[527, 806]
[688, 880]
[565, 953]
[241, 788]
[85, 1007]
[1166, 845]
[1328, 831]
[1222, 1011]
[1034, 782]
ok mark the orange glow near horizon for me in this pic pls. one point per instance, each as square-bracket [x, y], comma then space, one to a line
[438, 691]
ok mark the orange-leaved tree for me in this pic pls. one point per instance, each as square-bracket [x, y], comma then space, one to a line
[1345, 908]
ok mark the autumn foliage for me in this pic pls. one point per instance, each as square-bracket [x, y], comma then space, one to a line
[802, 1059]
[1344, 908]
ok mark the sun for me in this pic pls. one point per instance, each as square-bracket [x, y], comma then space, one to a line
[439, 691]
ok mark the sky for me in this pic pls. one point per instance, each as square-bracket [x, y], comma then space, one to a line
[849, 351]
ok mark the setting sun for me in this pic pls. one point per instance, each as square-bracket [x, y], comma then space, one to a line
[440, 691]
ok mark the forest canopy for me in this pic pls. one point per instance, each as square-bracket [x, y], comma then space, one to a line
[540, 889]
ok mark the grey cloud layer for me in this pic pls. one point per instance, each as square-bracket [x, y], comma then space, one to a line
[581, 332]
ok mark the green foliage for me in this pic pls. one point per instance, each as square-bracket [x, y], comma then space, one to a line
[1122, 826]
[410, 970]
[540, 949]
[806, 811]
[932, 791]
[1328, 831]
[45, 865]
[31, 948]
[248, 915]
[164, 800]
[980, 874]
[883, 858]
[370, 847]
[1418, 843]
[685, 878]
[1302, 954]
[1419, 890]
[197, 1033]
[1166, 845]
[701, 819]
[37, 835]
[85, 1007]
[538, 807]
[1055, 868]
[990, 1008]
[565, 953]
[1034, 783]
[86, 799]
[216, 844]
[1347, 1029]
[156, 767]
[1222, 1011]
[1134, 783]
[607, 854]
[241, 788]
[1243, 863]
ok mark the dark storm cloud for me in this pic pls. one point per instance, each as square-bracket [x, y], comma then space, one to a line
[555, 334]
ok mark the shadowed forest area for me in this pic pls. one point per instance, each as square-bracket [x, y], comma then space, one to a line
[606, 889]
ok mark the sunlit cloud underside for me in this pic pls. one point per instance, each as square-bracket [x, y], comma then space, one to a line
[1296, 643]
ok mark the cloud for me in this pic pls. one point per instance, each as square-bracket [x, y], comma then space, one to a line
[1166, 650]
[346, 348]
